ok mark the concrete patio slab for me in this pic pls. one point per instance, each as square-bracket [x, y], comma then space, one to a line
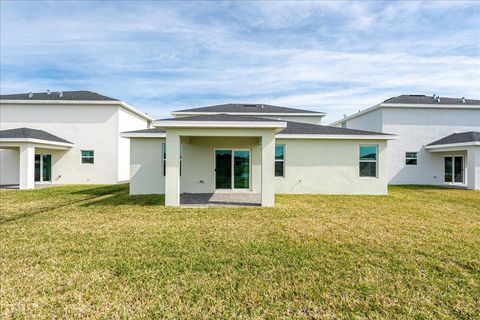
[220, 199]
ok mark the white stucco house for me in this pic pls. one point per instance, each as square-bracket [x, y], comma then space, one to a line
[439, 138]
[255, 149]
[70, 137]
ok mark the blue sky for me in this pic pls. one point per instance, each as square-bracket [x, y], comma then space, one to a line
[336, 57]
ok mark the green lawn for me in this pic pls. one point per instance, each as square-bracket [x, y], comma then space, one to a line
[95, 251]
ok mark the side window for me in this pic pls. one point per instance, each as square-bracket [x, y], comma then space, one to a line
[368, 161]
[164, 158]
[279, 160]
[87, 156]
[411, 158]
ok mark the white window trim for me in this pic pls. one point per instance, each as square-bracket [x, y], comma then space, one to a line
[233, 189]
[90, 157]
[453, 183]
[41, 181]
[368, 160]
[280, 160]
[411, 158]
[164, 158]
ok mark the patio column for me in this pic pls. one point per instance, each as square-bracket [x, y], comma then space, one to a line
[473, 167]
[27, 167]
[268, 169]
[172, 175]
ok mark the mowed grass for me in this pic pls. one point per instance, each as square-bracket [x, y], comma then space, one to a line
[96, 252]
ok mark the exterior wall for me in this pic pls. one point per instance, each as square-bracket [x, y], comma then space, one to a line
[473, 163]
[198, 161]
[371, 121]
[329, 167]
[436, 169]
[9, 166]
[417, 127]
[127, 121]
[146, 167]
[88, 127]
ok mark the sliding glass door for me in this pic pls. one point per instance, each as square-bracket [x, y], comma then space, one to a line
[223, 169]
[454, 169]
[232, 169]
[43, 168]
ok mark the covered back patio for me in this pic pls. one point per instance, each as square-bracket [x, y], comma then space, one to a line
[27, 157]
[460, 153]
[220, 154]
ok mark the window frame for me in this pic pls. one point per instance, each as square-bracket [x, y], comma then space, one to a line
[407, 158]
[280, 160]
[87, 157]
[164, 158]
[368, 161]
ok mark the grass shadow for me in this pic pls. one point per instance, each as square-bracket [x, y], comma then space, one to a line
[104, 190]
[89, 193]
[128, 200]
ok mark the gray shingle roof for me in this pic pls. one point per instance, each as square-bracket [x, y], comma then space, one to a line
[305, 128]
[27, 133]
[422, 99]
[152, 130]
[292, 127]
[461, 137]
[220, 117]
[248, 108]
[55, 96]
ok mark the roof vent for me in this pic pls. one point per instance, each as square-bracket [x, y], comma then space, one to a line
[434, 96]
[438, 98]
[60, 94]
[48, 92]
[30, 94]
[344, 115]
[463, 99]
[250, 105]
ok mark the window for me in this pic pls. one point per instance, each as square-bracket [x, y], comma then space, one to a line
[368, 160]
[279, 160]
[164, 158]
[411, 158]
[344, 125]
[87, 156]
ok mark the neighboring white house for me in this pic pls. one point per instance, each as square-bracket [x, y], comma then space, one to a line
[258, 149]
[65, 137]
[439, 138]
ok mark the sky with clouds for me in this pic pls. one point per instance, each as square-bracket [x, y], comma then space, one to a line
[336, 57]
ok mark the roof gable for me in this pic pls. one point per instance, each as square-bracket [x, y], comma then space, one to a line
[423, 99]
[27, 133]
[221, 117]
[305, 128]
[58, 96]
[462, 137]
[249, 109]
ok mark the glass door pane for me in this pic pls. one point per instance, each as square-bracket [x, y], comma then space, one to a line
[37, 167]
[241, 169]
[458, 169]
[448, 169]
[46, 167]
[223, 169]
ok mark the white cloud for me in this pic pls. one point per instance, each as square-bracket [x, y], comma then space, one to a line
[332, 56]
